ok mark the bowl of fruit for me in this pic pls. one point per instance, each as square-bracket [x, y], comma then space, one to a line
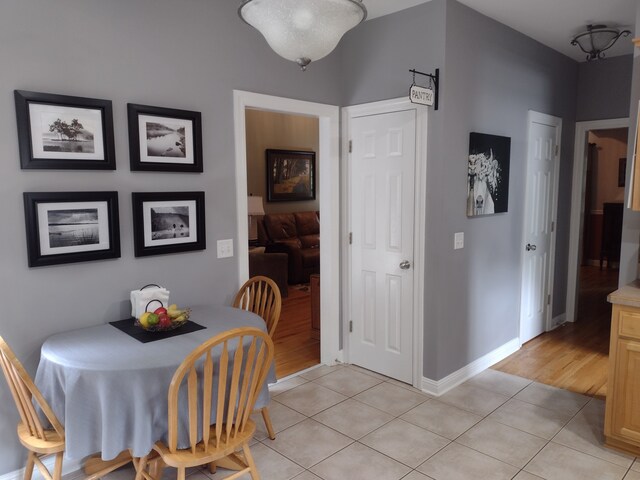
[163, 319]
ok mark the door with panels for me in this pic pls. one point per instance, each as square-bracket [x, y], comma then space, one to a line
[382, 184]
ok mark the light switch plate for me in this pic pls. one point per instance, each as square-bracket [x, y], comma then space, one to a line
[458, 241]
[225, 248]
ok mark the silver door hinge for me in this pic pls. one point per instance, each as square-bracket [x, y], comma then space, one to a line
[553, 226]
[350, 146]
[350, 238]
[557, 150]
[549, 299]
[350, 326]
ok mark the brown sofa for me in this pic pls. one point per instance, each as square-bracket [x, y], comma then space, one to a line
[297, 235]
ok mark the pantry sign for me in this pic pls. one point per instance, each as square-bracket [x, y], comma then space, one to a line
[421, 95]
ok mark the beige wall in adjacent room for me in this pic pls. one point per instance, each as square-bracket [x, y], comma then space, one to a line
[278, 131]
[612, 145]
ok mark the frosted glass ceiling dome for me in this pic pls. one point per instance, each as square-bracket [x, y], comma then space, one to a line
[303, 31]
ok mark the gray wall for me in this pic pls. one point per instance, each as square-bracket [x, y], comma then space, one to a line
[631, 219]
[604, 88]
[188, 54]
[492, 75]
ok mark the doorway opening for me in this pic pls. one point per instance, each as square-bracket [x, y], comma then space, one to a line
[284, 228]
[327, 174]
[575, 355]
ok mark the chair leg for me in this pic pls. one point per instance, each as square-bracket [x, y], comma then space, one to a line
[181, 473]
[267, 423]
[213, 467]
[28, 469]
[139, 464]
[250, 462]
[57, 469]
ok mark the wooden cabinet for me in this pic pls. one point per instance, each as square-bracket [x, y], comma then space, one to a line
[622, 419]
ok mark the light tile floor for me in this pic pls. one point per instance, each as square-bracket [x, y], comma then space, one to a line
[346, 423]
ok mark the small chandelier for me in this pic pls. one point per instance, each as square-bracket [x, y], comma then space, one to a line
[303, 31]
[597, 39]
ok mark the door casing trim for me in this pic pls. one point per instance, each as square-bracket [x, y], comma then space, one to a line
[329, 176]
[577, 204]
[419, 241]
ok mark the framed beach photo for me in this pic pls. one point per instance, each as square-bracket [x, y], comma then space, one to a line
[168, 222]
[290, 175]
[67, 227]
[64, 132]
[164, 139]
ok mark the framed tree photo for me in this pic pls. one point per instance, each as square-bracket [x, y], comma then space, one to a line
[290, 175]
[66, 227]
[168, 222]
[64, 132]
[164, 139]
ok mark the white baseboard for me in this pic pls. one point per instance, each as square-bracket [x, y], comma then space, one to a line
[439, 387]
[68, 466]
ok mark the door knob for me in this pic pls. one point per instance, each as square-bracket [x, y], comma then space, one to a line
[406, 265]
[530, 247]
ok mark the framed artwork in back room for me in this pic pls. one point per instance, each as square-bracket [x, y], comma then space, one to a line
[168, 222]
[290, 175]
[164, 139]
[67, 227]
[64, 132]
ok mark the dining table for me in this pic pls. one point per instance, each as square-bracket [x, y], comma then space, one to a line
[109, 389]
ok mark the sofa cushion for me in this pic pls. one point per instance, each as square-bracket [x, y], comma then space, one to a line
[280, 226]
[307, 223]
[310, 241]
[291, 242]
[310, 257]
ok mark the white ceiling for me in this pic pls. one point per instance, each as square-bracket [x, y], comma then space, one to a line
[551, 22]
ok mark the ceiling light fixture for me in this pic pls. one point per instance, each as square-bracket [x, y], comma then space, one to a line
[303, 31]
[597, 39]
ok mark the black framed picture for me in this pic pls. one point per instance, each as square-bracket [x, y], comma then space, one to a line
[64, 132]
[488, 174]
[622, 171]
[67, 227]
[290, 175]
[168, 222]
[164, 139]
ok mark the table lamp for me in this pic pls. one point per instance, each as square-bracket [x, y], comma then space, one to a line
[254, 208]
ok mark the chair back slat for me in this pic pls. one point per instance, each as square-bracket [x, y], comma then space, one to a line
[192, 382]
[222, 390]
[237, 390]
[261, 296]
[208, 384]
[24, 393]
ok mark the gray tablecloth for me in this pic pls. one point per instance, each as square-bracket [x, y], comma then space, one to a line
[110, 391]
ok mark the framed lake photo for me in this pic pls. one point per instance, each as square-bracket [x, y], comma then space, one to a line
[488, 174]
[290, 175]
[67, 227]
[164, 139]
[64, 132]
[168, 222]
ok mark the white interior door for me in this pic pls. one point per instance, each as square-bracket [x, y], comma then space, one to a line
[539, 224]
[382, 184]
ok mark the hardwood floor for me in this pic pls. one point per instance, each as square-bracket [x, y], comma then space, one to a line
[574, 356]
[295, 349]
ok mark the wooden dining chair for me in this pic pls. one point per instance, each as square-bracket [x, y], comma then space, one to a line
[245, 358]
[40, 442]
[261, 296]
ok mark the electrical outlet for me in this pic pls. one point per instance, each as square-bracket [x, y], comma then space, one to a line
[458, 241]
[225, 248]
